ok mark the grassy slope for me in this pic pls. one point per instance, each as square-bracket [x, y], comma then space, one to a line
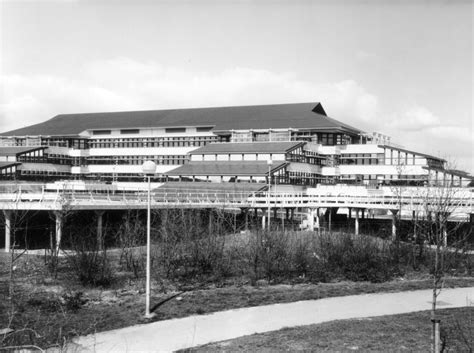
[39, 300]
[406, 332]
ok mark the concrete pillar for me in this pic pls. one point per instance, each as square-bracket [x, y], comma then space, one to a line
[292, 214]
[413, 219]
[349, 213]
[394, 224]
[310, 215]
[100, 240]
[318, 219]
[59, 229]
[246, 211]
[356, 223]
[8, 228]
[264, 223]
[283, 220]
[330, 221]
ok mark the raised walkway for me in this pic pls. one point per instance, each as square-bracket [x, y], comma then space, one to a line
[170, 335]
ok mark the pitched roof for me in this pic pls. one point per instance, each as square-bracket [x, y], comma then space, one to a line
[298, 115]
[243, 147]
[7, 164]
[253, 168]
[15, 151]
[208, 188]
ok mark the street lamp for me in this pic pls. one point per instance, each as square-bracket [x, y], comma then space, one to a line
[269, 162]
[148, 168]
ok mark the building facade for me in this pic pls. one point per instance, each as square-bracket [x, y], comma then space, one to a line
[293, 144]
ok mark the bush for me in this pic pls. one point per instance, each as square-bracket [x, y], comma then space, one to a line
[367, 259]
[92, 268]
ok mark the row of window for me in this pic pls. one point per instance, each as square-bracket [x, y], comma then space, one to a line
[108, 160]
[382, 177]
[310, 136]
[137, 160]
[171, 130]
[195, 141]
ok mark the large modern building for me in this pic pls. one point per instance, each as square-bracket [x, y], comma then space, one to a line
[295, 144]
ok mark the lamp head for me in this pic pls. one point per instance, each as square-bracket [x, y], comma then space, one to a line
[149, 168]
[269, 162]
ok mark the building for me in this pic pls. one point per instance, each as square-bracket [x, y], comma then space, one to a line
[296, 144]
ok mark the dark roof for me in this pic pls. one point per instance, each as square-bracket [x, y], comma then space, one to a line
[15, 151]
[298, 115]
[243, 147]
[458, 173]
[8, 164]
[253, 168]
[203, 187]
[413, 152]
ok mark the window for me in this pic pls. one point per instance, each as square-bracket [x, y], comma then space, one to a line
[129, 131]
[330, 139]
[173, 130]
[101, 132]
[203, 129]
[324, 139]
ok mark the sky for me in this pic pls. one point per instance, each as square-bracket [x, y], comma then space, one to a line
[402, 68]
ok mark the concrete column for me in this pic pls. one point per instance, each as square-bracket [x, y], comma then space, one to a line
[394, 224]
[310, 215]
[8, 227]
[330, 221]
[292, 214]
[318, 219]
[264, 223]
[283, 220]
[413, 218]
[59, 229]
[349, 213]
[356, 223]
[445, 236]
[100, 239]
[246, 211]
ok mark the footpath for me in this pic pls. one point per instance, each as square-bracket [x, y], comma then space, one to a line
[171, 335]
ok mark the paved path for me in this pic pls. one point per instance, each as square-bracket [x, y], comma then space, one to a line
[169, 335]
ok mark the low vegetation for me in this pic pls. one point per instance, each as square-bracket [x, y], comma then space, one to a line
[205, 263]
[396, 333]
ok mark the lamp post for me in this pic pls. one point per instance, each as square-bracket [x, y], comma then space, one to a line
[270, 163]
[148, 168]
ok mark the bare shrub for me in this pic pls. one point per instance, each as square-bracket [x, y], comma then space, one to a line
[130, 236]
[89, 265]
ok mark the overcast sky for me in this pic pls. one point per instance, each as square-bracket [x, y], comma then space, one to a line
[403, 68]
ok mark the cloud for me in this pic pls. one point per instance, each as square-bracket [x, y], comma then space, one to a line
[126, 84]
[422, 130]
[414, 118]
[365, 56]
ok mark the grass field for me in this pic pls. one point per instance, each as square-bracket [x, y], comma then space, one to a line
[397, 333]
[46, 311]
[54, 310]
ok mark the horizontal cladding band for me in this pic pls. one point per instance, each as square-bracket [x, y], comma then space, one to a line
[461, 204]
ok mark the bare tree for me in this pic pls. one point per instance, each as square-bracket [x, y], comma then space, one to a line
[441, 203]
